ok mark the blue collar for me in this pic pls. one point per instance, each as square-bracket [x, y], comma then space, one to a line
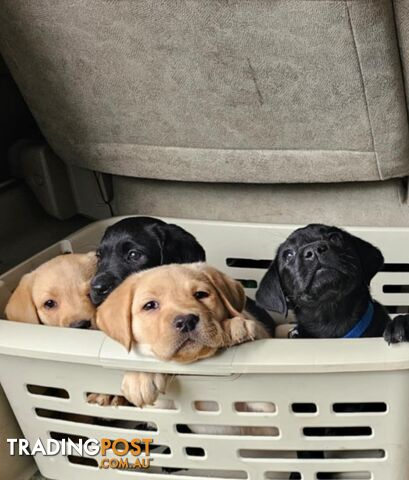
[363, 324]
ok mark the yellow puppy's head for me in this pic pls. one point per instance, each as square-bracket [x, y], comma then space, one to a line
[173, 312]
[56, 293]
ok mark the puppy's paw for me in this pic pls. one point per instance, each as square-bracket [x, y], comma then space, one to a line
[100, 399]
[142, 388]
[105, 400]
[397, 330]
[119, 401]
[240, 329]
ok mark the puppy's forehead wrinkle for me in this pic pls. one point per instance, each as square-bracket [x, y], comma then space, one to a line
[178, 273]
[63, 278]
[311, 233]
[170, 290]
[121, 235]
[118, 238]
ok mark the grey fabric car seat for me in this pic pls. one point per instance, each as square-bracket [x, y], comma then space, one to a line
[240, 97]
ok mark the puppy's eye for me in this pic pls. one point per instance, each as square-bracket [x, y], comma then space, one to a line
[152, 305]
[288, 254]
[49, 304]
[200, 294]
[133, 255]
[335, 238]
[98, 254]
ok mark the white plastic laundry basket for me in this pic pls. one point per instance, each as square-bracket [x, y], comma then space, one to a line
[361, 383]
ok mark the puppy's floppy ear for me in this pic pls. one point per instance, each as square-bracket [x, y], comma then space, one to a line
[20, 306]
[178, 245]
[230, 291]
[270, 294]
[91, 258]
[89, 262]
[114, 316]
[371, 258]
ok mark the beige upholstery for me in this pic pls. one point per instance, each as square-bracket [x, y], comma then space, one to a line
[370, 203]
[401, 8]
[251, 91]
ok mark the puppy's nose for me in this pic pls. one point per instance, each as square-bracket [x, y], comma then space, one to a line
[315, 250]
[186, 323]
[101, 286]
[81, 324]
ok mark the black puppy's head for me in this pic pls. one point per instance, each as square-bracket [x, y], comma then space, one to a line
[317, 264]
[139, 243]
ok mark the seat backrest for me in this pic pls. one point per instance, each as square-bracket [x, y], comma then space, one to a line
[208, 90]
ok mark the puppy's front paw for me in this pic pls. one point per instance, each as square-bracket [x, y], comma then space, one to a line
[397, 330]
[100, 399]
[240, 329]
[105, 400]
[119, 401]
[142, 388]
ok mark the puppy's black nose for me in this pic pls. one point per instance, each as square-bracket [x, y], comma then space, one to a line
[81, 324]
[315, 250]
[101, 286]
[186, 323]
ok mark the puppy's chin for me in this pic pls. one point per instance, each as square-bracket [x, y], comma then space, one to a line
[186, 351]
[192, 351]
[327, 283]
[96, 299]
[203, 342]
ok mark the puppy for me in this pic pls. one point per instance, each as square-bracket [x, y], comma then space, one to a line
[175, 312]
[56, 293]
[139, 243]
[323, 274]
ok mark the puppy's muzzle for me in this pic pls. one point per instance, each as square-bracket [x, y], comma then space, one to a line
[315, 251]
[101, 286]
[84, 324]
[186, 323]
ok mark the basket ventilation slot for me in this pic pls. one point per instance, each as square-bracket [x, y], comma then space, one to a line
[337, 431]
[170, 404]
[60, 436]
[369, 407]
[90, 420]
[206, 406]
[283, 476]
[196, 452]
[344, 454]
[344, 475]
[228, 430]
[155, 448]
[248, 263]
[255, 408]
[304, 408]
[85, 461]
[43, 391]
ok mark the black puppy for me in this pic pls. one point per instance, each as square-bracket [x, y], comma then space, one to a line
[139, 243]
[323, 274]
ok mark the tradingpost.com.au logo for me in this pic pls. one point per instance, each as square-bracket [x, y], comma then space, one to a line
[137, 451]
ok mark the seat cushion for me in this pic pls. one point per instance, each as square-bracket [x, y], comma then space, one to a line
[254, 91]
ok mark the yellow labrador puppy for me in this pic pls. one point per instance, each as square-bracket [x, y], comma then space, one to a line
[175, 312]
[56, 293]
